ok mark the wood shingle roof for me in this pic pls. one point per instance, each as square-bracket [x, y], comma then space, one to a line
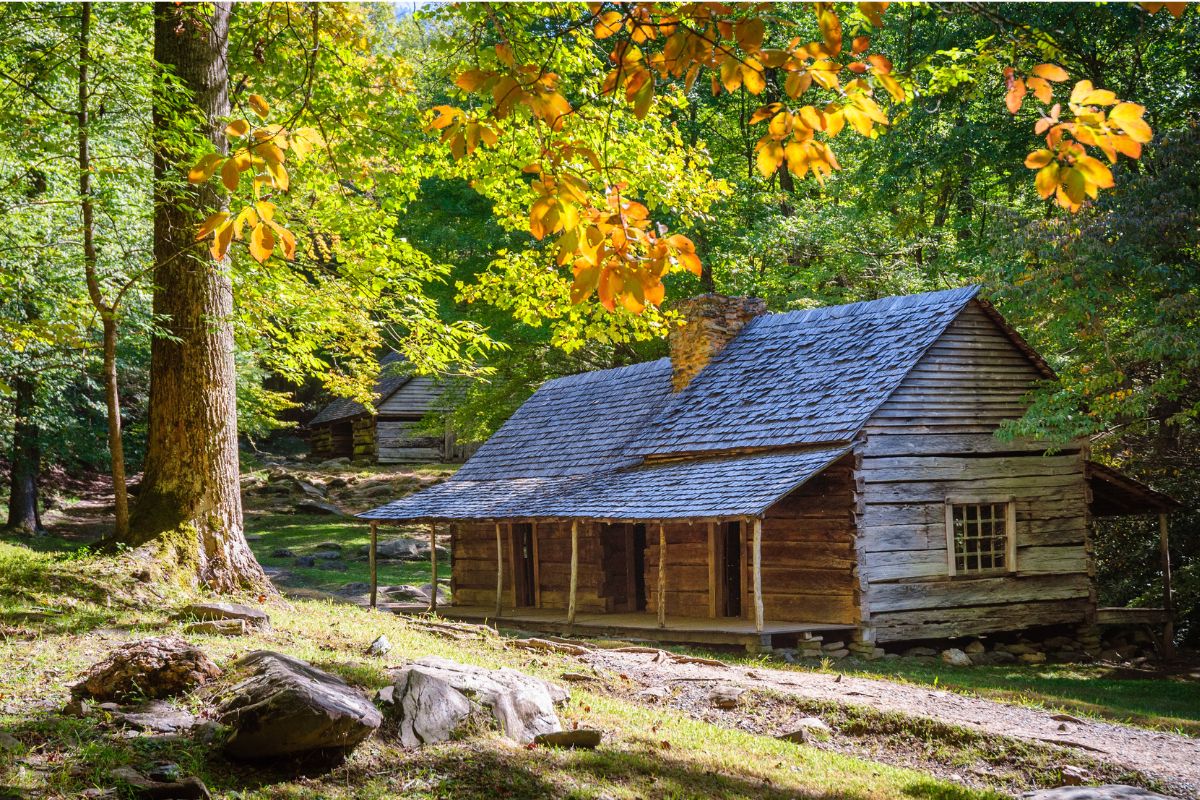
[793, 388]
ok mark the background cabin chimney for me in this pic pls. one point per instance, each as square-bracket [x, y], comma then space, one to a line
[710, 321]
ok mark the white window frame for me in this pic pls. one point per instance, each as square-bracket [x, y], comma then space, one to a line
[1010, 531]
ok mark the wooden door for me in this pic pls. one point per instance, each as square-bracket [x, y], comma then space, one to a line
[524, 566]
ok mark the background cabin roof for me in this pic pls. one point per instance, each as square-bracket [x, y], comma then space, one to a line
[726, 487]
[803, 377]
[389, 381]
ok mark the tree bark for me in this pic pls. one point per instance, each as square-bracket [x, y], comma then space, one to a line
[23, 516]
[190, 498]
[106, 310]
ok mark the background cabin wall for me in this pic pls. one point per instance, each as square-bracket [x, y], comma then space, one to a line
[808, 572]
[399, 414]
[934, 438]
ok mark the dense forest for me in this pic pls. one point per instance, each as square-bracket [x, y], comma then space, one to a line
[398, 217]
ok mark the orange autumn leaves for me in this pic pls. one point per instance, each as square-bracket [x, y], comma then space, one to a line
[1065, 169]
[262, 154]
[606, 237]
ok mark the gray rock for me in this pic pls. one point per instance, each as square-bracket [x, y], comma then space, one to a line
[305, 561]
[187, 789]
[355, 587]
[380, 647]
[428, 708]
[289, 706]
[327, 555]
[407, 549]
[521, 705]
[283, 552]
[655, 693]
[254, 617]
[955, 657]
[217, 627]
[334, 462]
[10, 743]
[311, 490]
[1110, 791]
[806, 729]
[415, 594]
[974, 648]
[330, 546]
[578, 738]
[335, 566]
[314, 506]
[337, 483]
[725, 696]
[156, 716]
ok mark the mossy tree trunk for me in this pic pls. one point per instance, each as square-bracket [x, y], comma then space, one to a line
[190, 501]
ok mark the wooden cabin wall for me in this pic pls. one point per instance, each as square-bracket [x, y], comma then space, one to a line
[474, 566]
[934, 438]
[363, 438]
[808, 567]
[332, 440]
[398, 415]
[686, 569]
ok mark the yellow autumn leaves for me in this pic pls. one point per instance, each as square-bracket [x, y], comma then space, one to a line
[263, 154]
[1065, 170]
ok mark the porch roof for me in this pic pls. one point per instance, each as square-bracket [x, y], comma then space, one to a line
[714, 488]
[1115, 494]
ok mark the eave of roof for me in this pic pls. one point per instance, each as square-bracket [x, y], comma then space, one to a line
[1116, 494]
[716, 488]
[386, 385]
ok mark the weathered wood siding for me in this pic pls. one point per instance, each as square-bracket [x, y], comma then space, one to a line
[474, 566]
[934, 439]
[808, 553]
[414, 398]
[332, 440]
[398, 416]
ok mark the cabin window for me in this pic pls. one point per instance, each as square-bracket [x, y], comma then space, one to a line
[980, 536]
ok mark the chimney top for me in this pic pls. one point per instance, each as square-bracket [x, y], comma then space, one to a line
[710, 321]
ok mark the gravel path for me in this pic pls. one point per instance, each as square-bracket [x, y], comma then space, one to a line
[1167, 757]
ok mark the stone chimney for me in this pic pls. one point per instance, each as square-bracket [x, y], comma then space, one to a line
[710, 321]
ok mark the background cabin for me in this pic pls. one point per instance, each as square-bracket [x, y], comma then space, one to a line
[782, 475]
[345, 428]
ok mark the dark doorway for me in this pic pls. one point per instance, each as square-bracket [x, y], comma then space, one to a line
[639, 568]
[732, 569]
[523, 564]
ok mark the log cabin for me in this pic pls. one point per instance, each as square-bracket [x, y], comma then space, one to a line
[387, 435]
[832, 471]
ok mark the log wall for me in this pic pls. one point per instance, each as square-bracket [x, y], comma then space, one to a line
[934, 439]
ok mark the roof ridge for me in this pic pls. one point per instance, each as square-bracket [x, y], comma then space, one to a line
[605, 374]
[878, 304]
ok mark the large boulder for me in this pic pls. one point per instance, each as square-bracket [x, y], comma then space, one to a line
[149, 668]
[253, 617]
[288, 706]
[446, 694]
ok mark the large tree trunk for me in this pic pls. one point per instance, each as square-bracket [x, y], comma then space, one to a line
[106, 310]
[23, 514]
[190, 497]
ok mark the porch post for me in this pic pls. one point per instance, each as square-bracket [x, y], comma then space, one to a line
[758, 601]
[1168, 600]
[574, 571]
[433, 567]
[713, 576]
[662, 576]
[371, 555]
[499, 571]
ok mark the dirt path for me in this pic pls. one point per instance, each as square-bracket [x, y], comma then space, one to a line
[1170, 758]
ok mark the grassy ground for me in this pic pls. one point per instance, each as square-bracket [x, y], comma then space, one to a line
[1091, 690]
[60, 613]
[304, 534]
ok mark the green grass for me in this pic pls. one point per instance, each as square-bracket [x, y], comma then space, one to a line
[302, 534]
[647, 752]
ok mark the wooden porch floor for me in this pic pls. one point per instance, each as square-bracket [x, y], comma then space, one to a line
[633, 625]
